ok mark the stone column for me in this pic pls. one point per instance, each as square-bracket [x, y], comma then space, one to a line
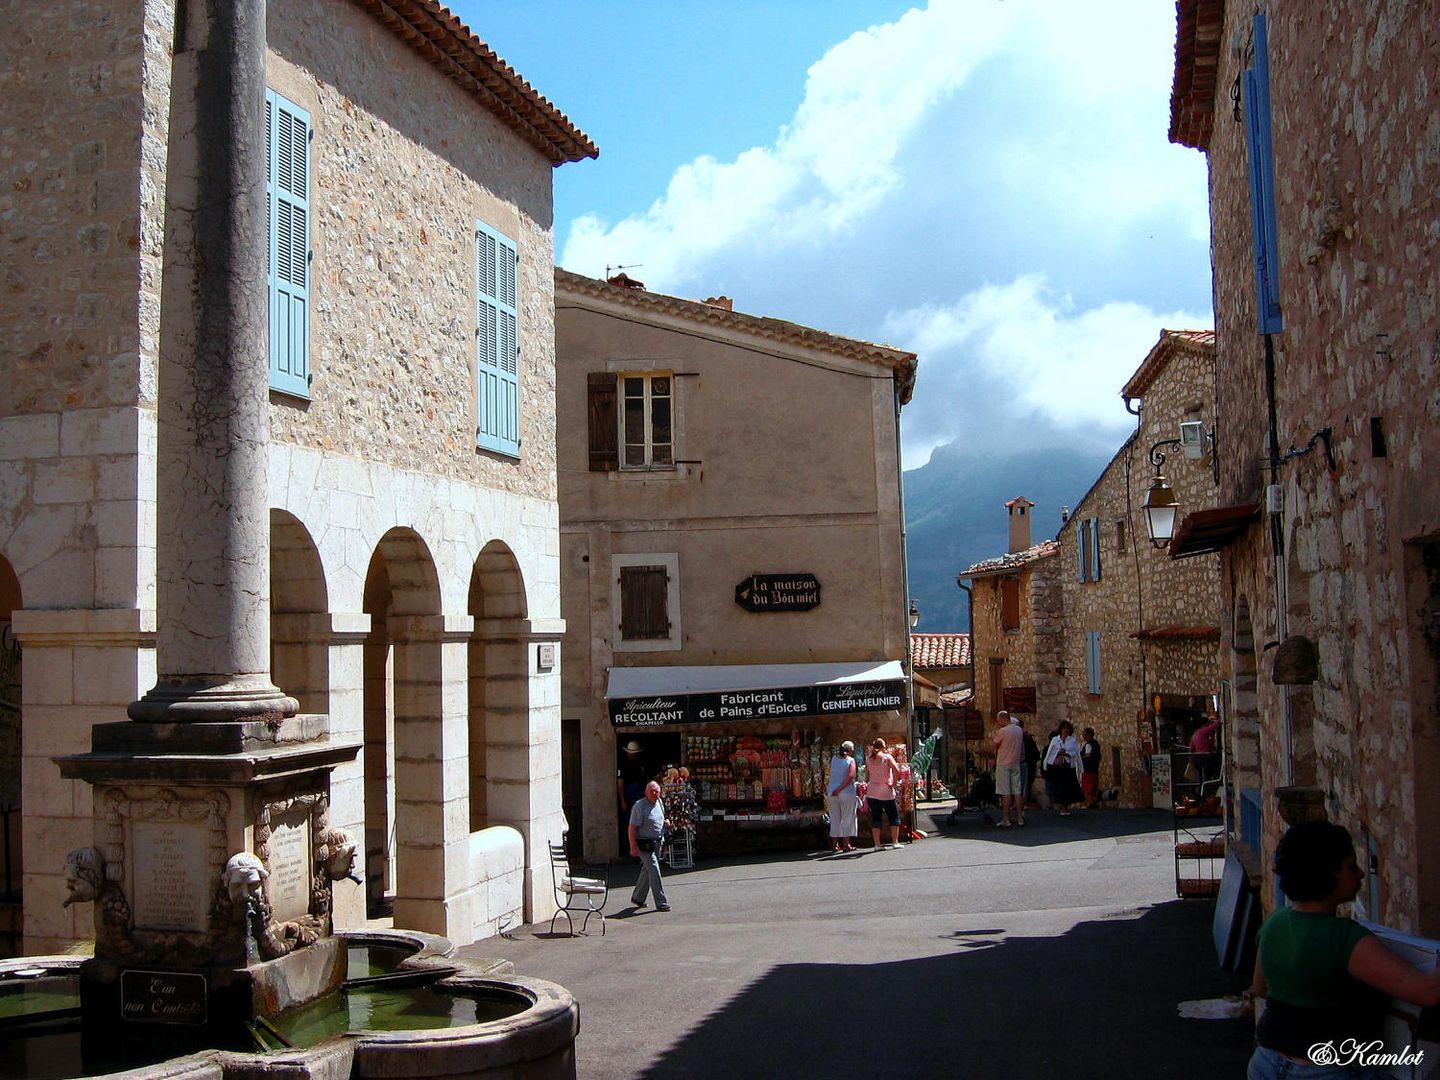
[212, 551]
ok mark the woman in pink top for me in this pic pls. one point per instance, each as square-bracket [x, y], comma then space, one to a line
[883, 774]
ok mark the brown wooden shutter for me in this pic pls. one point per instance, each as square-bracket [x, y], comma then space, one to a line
[604, 426]
[1010, 603]
[643, 609]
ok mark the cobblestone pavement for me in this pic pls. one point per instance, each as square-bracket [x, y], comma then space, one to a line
[1056, 950]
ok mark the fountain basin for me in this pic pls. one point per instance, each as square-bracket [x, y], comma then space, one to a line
[407, 1009]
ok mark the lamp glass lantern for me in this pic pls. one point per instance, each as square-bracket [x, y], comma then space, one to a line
[1160, 508]
[914, 614]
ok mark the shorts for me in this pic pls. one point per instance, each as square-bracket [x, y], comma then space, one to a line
[882, 808]
[1090, 785]
[1007, 780]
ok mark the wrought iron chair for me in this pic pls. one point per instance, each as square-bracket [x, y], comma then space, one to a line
[571, 890]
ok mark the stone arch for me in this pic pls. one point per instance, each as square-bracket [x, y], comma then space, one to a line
[1244, 716]
[499, 691]
[13, 866]
[1300, 698]
[402, 708]
[299, 614]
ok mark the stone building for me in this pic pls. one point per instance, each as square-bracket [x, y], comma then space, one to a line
[1015, 622]
[1324, 177]
[413, 523]
[731, 546]
[1139, 631]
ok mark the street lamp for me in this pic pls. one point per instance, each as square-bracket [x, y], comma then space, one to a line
[1160, 507]
[914, 613]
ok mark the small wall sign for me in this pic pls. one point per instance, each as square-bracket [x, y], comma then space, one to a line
[545, 656]
[163, 997]
[778, 592]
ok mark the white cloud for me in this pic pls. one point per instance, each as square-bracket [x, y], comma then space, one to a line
[1010, 358]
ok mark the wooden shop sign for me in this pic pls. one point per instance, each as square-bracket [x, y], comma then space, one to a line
[163, 997]
[778, 592]
[759, 704]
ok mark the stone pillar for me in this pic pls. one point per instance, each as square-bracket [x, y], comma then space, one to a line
[213, 549]
[348, 631]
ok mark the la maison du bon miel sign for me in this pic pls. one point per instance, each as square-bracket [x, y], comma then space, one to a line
[765, 593]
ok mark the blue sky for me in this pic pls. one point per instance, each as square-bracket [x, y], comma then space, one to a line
[986, 182]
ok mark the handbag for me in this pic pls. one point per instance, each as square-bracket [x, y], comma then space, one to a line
[646, 844]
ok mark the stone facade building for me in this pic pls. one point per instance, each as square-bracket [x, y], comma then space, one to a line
[1138, 660]
[1324, 180]
[730, 525]
[1015, 610]
[413, 532]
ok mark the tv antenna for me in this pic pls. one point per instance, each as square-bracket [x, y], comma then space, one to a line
[611, 271]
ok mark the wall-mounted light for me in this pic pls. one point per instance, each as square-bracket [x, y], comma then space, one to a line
[1161, 505]
[1160, 508]
[914, 613]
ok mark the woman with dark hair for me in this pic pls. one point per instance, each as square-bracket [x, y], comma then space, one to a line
[1062, 758]
[1325, 980]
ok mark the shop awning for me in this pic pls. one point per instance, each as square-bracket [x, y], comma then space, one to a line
[654, 696]
[1206, 531]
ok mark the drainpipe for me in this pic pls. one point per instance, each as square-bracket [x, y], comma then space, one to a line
[904, 564]
[1277, 548]
[965, 723]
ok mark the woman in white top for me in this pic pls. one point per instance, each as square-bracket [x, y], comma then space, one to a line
[843, 802]
[1062, 759]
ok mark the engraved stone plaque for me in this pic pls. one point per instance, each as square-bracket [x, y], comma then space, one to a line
[163, 997]
[290, 866]
[173, 879]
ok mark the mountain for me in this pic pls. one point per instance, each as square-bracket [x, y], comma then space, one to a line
[955, 516]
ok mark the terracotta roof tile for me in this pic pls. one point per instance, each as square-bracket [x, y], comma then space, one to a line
[1012, 561]
[1171, 344]
[448, 44]
[939, 650]
[697, 311]
[1198, 27]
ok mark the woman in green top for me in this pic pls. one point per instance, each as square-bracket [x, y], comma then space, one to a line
[1325, 980]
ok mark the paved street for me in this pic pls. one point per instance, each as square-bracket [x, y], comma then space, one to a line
[1056, 950]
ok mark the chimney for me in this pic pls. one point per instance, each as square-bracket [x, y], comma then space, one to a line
[1064, 514]
[1019, 510]
[721, 302]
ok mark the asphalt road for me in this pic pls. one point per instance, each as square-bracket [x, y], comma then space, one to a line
[1054, 951]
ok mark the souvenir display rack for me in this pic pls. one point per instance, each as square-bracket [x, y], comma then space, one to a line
[1198, 828]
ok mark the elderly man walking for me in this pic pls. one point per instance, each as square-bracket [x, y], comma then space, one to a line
[1009, 740]
[647, 832]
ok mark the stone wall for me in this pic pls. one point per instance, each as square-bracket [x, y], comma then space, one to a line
[1014, 649]
[1140, 587]
[399, 180]
[1357, 165]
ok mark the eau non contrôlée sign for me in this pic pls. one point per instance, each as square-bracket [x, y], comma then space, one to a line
[163, 997]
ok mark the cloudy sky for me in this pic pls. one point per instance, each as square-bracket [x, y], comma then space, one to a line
[986, 182]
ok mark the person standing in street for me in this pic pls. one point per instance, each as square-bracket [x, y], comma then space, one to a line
[647, 833]
[630, 777]
[843, 803]
[1062, 759]
[1090, 768]
[1009, 740]
[882, 774]
[1202, 749]
[1031, 768]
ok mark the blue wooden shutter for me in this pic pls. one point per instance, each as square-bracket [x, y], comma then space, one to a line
[1082, 561]
[1256, 86]
[1092, 661]
[1094, 549]
[497, 346]
[287, 219]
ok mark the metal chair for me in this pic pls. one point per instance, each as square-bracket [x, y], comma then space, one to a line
[571, 889]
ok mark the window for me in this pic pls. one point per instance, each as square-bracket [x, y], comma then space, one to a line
[287, 226]
[648, 412]
[1092, 661]
[497, 344]
[1087, 549]
[645, 601]
[1010, 603]
[1256, 87]
[1120, 535]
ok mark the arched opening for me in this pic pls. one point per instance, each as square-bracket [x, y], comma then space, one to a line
[299, 620]
[499, 692]
[402, 707]
[11, 861]
[1422, 600]
[1244, 738]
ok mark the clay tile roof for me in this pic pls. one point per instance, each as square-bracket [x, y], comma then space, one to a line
[1198, 28]
[1172, 343]
[1009, 563]
[957, 699]
[701, 312]
[940, 650]
[448, 44]
[1178, 633]
[1017, 501]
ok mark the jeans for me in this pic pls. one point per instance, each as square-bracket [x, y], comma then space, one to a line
[649, 880]
[1269, 1065]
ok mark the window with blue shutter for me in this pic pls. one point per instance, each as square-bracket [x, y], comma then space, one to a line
[1256, 87]
[497, 345]
[1082, 555]
[1092, 661]
[287, 224]
[1094, 549]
